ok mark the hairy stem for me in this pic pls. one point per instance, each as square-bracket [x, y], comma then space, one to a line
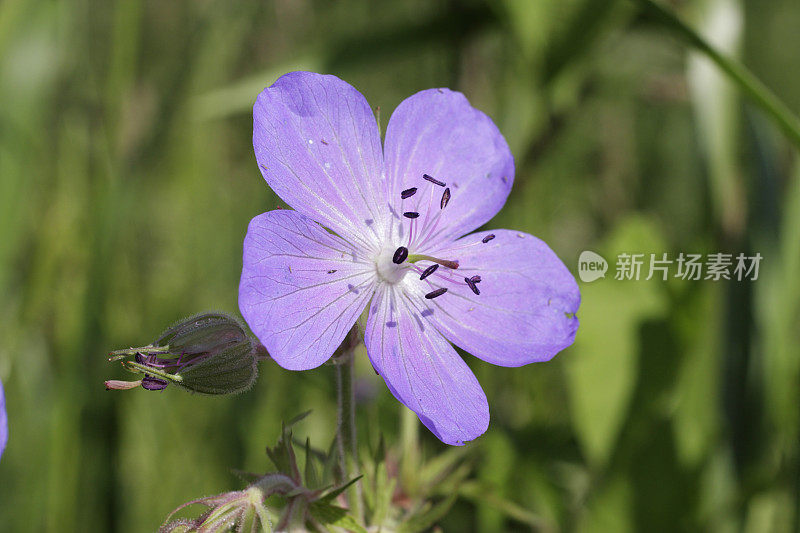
[346, 428]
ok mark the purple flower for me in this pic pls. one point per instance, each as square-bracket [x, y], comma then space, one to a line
[3, 421]
[397, 216]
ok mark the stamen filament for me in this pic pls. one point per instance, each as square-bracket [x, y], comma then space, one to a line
[430, 228]
[423, 229]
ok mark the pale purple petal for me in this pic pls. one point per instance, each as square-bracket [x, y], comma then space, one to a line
[3, 421]
[318, 146]
[526, 309]
[302, 288]
[437, 132]
[423, 370]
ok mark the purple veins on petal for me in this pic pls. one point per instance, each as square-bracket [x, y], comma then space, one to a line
[400, 255]
[433, 180]
[428, 271]
[438, 292]
[423, 371]
[408, 193]
[445, 198]
[301, 107]
[301, 317]
[442, 133]
[411, 214]
[487, 238]
[544, 291]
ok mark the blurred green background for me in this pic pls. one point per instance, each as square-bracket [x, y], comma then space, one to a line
[127, 180]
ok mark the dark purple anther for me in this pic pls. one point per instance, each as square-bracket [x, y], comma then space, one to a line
[408, 193]
[438, 292]
[472, 283]
[445, 198]
[428, 271]
[151, 383]
[411, 214]
[487, 238]
[400, 255]
[433, 180]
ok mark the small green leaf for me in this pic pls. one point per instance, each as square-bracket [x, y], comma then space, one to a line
[437, 468]
[330, 464]
[338, 490]
[332, 515]
[429, 515]
[297, 419]
[483, 495]
[384, 491]
[311, 476]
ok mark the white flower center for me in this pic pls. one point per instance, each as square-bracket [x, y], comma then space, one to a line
[386, 268]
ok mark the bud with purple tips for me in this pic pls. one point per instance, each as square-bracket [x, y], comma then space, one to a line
[208, 353]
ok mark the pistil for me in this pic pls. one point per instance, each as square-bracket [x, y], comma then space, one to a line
[444, 262]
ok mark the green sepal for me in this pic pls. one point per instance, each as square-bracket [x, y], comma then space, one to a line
[229, 371]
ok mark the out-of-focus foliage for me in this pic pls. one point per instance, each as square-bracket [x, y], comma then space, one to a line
[127, 180]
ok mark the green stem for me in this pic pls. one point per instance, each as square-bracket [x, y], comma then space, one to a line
[346, 432]
[409, 440]
[759, 93]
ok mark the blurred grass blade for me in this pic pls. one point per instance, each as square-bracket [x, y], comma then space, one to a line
[759, 93]
[716, 106]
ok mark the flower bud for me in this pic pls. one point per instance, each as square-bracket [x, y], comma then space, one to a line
[208, 353]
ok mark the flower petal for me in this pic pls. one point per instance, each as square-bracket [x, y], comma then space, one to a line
[423, 370]
[3, 421]
[318, 146]
[437, 132]
[302, 288]
[527, 302]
